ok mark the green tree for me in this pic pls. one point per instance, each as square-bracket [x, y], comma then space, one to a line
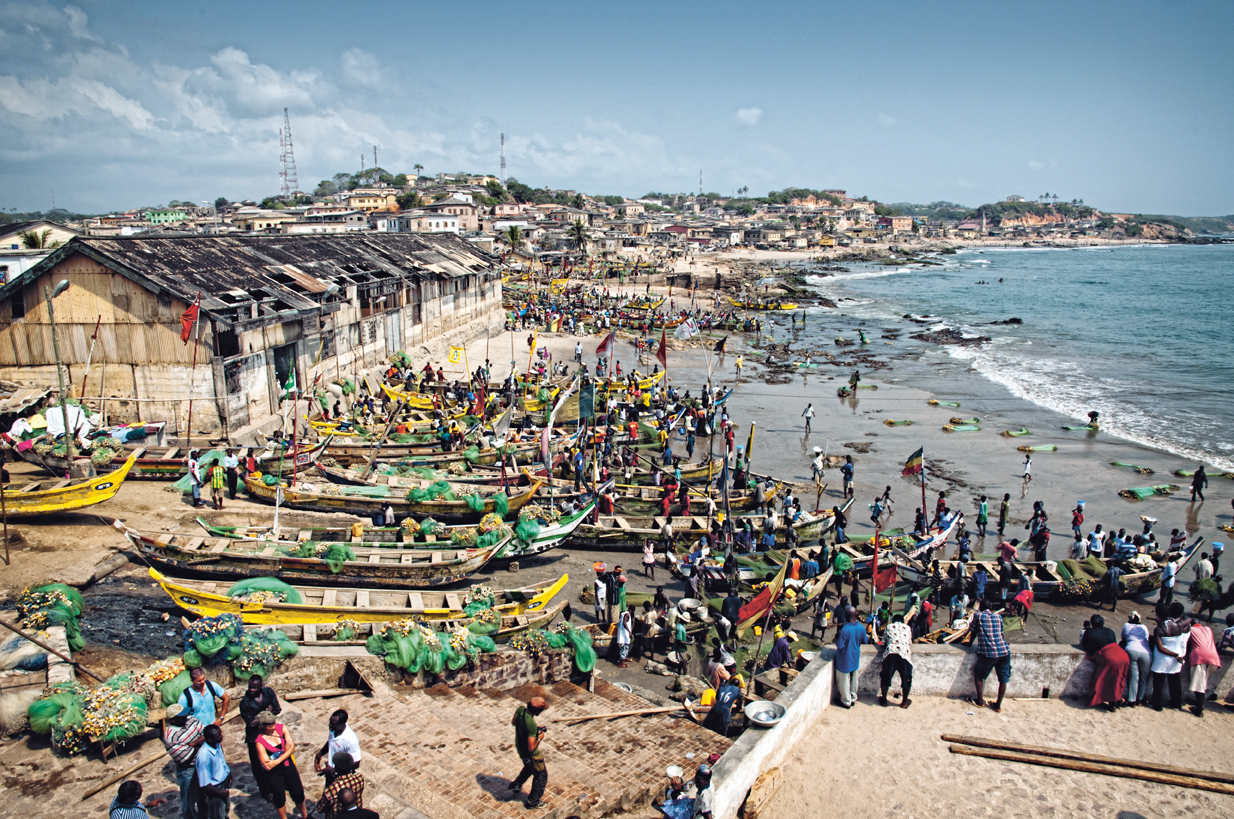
[521, 193]
[400, 180]
[1135, 229]
[496, 191]
[578, 235]
[514, 238]
[221, 203]
[408, 200]
[418, 168]
[33, 240]
[578, 201]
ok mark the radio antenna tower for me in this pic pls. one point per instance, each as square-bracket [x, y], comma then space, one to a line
[375, 165]
[282, 165]
[503, 160]
[290, 183]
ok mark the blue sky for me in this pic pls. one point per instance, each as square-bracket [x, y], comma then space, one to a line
[1126, 105]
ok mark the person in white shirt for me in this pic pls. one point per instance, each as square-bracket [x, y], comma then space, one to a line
[808, 414]
[1204, 568]
[1096, 541]
[340, 739]
[601, 592]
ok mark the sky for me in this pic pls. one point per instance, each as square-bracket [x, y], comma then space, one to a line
[1126, 105]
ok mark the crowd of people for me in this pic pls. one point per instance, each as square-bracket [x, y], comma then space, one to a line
[193, 738]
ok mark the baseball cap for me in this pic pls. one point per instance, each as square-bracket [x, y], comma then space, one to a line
[174, 710]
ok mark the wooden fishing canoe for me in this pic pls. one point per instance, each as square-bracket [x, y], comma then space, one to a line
[362, 534]
[51, 496]
[366, 500]
[330, 605]
[645, 304]
[624, 533]
[347, 453]
[754, 305]
[170, 463]
[386, 567]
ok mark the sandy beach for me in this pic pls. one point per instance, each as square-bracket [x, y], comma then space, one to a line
[906, 770]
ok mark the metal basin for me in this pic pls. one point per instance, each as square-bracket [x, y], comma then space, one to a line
[764, 713]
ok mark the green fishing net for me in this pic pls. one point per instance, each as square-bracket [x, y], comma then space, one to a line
[1094, 566]
[104, 450]
[171, 690]
[335, 554]
[417, 647]
[471, 454]
[59, 712]
[114, 711]
[260, 652]
[527, 530]
[475, 502]
[501, 504]
[53, 604]
[437, 490]
[265, 588]
[401, 359]
[564, 635]
[1206, 589]
[208, 636]
[184, 485]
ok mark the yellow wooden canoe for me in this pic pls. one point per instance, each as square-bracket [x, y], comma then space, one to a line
[51, 497]
[770, 305]
[329, 605]
[615, 385]
[413, 400]
[646, 304]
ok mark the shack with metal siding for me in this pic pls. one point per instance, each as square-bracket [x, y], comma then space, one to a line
[328, 305]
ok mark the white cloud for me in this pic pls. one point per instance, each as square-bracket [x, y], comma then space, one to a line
[362, 68]
[1036, 164]
[78, 24]
[43, 99]
[886, 120]
[749, 117]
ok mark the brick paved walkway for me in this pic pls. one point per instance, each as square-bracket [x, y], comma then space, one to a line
[449, 754]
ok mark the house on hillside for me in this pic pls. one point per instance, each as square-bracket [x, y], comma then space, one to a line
[460, 206]
[16, 257]
[316, 306]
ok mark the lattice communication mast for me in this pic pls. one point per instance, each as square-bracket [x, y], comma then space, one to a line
[282, 165]
[290, 183]
[503, 160]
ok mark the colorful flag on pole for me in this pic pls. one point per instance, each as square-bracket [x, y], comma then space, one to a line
[757, 608]
[662, 352]
[289, 389]
[885, 579]
[686, 330]
[455, 355]
[913, 465]
[187, 319]
[606, 346]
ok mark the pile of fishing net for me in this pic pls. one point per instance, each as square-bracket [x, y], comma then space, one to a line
[480, 604]
[532, 518]
[260, 589]
[53, 604]
[437, 490]
[1206, 589]
[335, 554]
[208, 639]
[415, 646]
[58, 712]
[413, 438]
[184, 485]
[401, 360]
[345, 630]
[490, 532]
[104, 450]
[563, 635]
[404, 469]
[115, 711]
[1142, 492]
[260, 652]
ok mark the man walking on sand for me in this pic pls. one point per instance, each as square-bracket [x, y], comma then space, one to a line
[808, 414]
[1004, 511]
[1199, 481]
[993, 654]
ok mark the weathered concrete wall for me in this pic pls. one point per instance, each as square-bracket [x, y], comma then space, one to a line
[947, 671]
[760, 749]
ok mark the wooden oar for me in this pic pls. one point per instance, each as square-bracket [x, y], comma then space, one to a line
[1059, 753]
[1097, 768]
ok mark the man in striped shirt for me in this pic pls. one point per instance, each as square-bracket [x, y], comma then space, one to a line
[182, 739]
[993, 654]
[127, 804]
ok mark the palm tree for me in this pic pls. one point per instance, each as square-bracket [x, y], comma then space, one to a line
[419, 169]
[33, 240]
[514, 238]
[578, 235]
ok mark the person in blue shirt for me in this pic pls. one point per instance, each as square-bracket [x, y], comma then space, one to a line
[851, 637]
[767, 542]
[966, 548]
[721, 715]
[213, 775]
[980, 578]
[198, 698]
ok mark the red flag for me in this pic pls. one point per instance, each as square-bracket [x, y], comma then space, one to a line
[187, 319]
[757, 609]
[662, 352]
[606, 346]
[886, 578]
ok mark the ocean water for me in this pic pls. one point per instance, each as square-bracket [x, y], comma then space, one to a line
[1143, 334]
